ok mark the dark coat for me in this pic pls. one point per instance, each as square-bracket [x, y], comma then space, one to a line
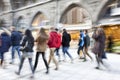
[86, 41]
[6, 42]
[16, 38]
[66, 38]
[28, 42]
[99, 44]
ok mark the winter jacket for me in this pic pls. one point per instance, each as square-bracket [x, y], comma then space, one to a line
[66, 38]
[41, 43]
[81, 40]
[16, 38]
[99, 44]
[28, 43]
[6, 42]
[53, 39]
[59, 41]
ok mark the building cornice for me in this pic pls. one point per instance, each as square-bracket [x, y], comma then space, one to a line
[25, 7]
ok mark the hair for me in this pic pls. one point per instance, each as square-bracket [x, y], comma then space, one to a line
[42, 36]
[101, 31]
[28, 33]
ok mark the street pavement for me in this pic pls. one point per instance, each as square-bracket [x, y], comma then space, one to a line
[78, 70]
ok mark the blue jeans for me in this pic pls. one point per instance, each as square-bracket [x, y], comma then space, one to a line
[65, 51]
[17, 48]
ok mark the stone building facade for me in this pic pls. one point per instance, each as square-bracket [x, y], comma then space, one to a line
[24, 12]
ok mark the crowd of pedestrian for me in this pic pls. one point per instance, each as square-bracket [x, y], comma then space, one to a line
[23, 43]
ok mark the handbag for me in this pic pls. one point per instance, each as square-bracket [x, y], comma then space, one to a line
[25, 48]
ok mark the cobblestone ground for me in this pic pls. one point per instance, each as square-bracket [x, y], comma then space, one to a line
[78, 70]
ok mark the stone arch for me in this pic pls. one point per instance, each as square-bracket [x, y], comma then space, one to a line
[20, 22]
[103, 9]
[71, 6]
[37, 18]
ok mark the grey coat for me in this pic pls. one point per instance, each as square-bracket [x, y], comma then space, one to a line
[99, 44]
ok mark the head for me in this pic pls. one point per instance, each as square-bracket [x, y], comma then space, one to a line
[85, 31]
[56, 29]
[100, 31]
[64, 30]
[52, 29]
[28, 32]
[42, 30]
[12, 28]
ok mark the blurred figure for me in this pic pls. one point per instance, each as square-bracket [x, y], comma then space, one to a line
[66, 38]
[99, 46]
[27, 44]
[81, 45]
[16, 39]
[58, 44]
[41, 42]
[52, 43]
[86, 44]
[5, 45]
[110, 43]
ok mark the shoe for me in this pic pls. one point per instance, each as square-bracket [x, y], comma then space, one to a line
[71, 60]
[97, 68]
[17, 73]
[47, 72]
[11, 63]
[81, 58]
[32, 76]
[56, 68]
[84, 60]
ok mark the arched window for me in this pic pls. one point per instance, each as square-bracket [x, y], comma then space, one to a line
[37, 20]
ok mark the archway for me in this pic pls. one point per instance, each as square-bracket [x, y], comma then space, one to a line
[75, 18]
[39, 20]
[20, 24]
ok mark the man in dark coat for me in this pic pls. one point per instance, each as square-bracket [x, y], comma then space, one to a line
[66, 38]
[16, 39]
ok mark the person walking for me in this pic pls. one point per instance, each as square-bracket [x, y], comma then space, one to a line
[27, 50]
[81, 45]
[5, 45]
[16, 39]
[86, 44]
[41, 43]
[66, 38]
[99, 46]
[52, 43]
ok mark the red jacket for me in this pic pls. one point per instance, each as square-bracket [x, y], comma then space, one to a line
[59, 41]
[53, 40]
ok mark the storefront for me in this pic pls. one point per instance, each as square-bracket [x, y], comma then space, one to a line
[112, 31]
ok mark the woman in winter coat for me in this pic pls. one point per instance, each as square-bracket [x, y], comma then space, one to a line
[99, 45]
[41, 43]
[5, 41]
[27, 44]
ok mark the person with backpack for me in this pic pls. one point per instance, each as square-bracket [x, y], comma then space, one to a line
[86, 44]
[81, 45]
[52, 44]
[27, 50]
[66, 38]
